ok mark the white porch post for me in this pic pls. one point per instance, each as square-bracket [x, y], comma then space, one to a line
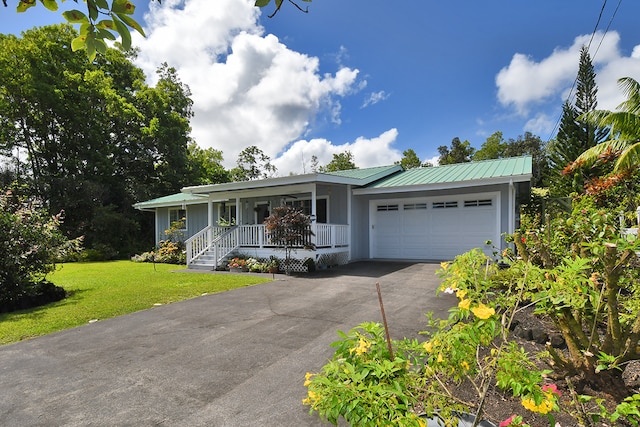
[512, 208]
[349, 196]
[238, 211]
[210, 219]
[314, 227]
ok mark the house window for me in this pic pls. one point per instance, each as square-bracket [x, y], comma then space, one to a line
[180, 216]
[444, 205]
[304, 205]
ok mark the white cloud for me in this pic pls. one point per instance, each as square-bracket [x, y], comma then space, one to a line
[248, 88]
[526, 83]
[374, 98]
[540, 124]
[366, 153]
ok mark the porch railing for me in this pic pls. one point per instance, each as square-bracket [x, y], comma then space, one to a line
[219, 241]
[200, 242]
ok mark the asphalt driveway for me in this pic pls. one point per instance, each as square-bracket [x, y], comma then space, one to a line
[232, 359]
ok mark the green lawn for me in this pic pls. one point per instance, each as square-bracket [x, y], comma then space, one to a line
[108, 289]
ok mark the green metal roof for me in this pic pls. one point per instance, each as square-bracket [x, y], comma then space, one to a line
[171, 200]
[514, 167]
[366, 173]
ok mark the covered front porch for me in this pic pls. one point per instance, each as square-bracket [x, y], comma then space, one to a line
[210, 247]
[235, 224]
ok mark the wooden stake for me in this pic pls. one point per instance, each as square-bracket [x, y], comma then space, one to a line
[384, 322]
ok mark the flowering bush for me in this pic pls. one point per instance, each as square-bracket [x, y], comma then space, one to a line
[470, 346]
[237, 263]
[169, 251]
[30, 242]
[364, 384]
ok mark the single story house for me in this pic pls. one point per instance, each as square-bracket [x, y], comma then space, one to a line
[387, 213]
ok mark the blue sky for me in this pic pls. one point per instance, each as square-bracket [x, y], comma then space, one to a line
[377, 78]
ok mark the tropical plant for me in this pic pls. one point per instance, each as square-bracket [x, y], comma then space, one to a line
[624, 125]
[371, 382]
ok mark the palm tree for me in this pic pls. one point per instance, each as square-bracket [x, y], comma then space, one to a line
[624, 123]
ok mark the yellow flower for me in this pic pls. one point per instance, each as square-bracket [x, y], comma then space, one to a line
[428, 346]
[464, 304]
[363, 347]
[311, 399]
[483, 312]
[307, 378]
[444, 265]
[543, 408]
[461, 293]
[464, 365]
[440, 358]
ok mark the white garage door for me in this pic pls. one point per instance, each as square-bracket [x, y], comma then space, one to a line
[434, 228]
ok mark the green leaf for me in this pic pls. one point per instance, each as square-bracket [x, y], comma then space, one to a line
[52, 5]
[78, 43]
[91, 47]
[75, 17]
[102, 4]
[132, 23]
[85, 29]
[122, 29]
[93, 10]
[123, 6]
[262, 3]
[106, 24]
[101, 46]
[24, 5]
[105, 34]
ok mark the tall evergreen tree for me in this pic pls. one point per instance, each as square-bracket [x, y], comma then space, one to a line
[575, 135]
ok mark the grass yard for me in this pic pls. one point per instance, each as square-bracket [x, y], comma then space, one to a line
[108, 289]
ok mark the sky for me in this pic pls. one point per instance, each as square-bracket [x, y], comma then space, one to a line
[376, 78]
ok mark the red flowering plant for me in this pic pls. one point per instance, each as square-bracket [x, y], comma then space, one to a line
[237, 262]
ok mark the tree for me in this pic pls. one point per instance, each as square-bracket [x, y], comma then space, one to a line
[529, 145]
[575, 135]
[205, 166]
[458, 152]
[493, 148]
[288, 228]
[409, 160]
[340, 162]
[252, 163]
[95, 31]
[96, 137]
[624, 125]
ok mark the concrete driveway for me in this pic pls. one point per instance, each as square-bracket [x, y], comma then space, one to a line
[232, 359]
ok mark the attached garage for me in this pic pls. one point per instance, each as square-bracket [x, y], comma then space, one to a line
[437, 213]
[433, 228]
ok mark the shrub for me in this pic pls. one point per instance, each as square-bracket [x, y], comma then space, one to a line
[169, 251]
[30, 242]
